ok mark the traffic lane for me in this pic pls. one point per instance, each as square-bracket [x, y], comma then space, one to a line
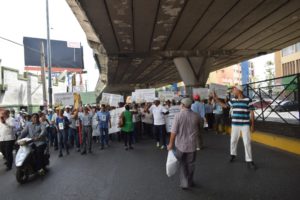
[140, 174]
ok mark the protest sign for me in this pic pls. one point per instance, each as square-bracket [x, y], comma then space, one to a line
[63, 99]
[173, 110]
[111, 99]
[220, 90]
[114, 117]
[202, 92]
[147, 95]
[166, 95]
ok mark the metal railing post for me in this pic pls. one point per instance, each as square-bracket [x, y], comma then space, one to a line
[261, 104]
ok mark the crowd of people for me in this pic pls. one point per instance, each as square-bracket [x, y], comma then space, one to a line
[64, 129]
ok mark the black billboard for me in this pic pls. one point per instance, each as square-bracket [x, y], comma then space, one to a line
[64, 54]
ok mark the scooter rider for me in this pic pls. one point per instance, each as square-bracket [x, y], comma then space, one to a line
[38, 133]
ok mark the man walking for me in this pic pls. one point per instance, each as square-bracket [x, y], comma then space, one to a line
[242, 121]
[185, 129]
[104, 123]
[159, 113]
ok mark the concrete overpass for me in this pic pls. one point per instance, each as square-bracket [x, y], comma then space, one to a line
[146, 43]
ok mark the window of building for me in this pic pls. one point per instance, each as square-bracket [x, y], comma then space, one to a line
[288, 50]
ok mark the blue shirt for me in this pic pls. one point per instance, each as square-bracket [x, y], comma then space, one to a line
[218, 110]
[103, 118]
[241, 111]
[199, 108]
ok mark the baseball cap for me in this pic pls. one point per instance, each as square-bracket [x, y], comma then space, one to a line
[196, 97]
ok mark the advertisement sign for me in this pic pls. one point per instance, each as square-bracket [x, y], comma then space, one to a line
[111, 99]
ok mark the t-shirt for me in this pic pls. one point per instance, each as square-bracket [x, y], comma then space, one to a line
[199, 107]
[87, 119]
[103, 118]
[62, 123]
[159, 117]
[73, 122]
[241, 111]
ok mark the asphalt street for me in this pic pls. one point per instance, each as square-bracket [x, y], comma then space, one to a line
[139, 174]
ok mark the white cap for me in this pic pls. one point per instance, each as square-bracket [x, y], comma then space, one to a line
[50, 109]
[187, 102]
[156, 99]
[239, 87]
[67, 106]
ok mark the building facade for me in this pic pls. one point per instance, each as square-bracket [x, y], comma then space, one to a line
[287, 61]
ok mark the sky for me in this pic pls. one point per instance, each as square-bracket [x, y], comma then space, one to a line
[19, 18]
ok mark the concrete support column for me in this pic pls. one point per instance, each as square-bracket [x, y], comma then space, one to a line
[193, 71]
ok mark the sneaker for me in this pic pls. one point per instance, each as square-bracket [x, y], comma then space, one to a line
[251, 165]
[83, 153]
[78, 150]
[157, 144]
[60, 155]
[90, 151]
[232, 158]
[126, 148]
[68, 152]
[162, 147]
[131, 148]
[102, 147]
[198, 149]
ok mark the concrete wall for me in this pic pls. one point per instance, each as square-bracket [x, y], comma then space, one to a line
[23, 89]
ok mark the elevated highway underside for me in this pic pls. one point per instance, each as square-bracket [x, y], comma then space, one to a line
[145, 43]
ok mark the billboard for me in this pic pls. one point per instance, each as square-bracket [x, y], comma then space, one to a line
[64, 55]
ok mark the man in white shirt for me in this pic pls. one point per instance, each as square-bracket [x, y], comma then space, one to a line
[67, 112]
[159, 113]
[7, 137]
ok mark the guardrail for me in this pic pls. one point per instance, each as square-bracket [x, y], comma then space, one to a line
[276, 99]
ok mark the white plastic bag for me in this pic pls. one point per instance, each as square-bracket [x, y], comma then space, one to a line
[172, 164]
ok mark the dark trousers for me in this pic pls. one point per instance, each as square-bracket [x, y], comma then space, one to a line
[40, 155]
[161, 134]
[148, 129]
[127, 138]
[186, 168]
[53, 137]
[210, 120]
[73, 133]
[104, 136]
[87, 138]
[7, 148]
[62, 136]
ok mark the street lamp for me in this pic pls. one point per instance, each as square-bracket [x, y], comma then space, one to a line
[49, 63]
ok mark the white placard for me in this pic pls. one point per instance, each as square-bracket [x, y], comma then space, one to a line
[202, 92]
[147, 95]
[63, 99]
[114, 117]
[75, 45]
[170, 117]
[166, 95]
[220, 90]
[111, 99]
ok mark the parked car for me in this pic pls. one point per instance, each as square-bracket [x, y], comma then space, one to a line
[287, 106]
[258, 104]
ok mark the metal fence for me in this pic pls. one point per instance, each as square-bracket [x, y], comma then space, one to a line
[276, 99]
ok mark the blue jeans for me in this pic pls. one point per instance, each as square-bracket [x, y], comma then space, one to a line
[62, 136]
[161, 134]
[104, 136]
[73, 133]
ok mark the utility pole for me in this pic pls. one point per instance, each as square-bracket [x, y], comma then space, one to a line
[49, 63]
[43, 64]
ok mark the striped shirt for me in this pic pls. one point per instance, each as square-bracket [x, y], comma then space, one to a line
[241, 111]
